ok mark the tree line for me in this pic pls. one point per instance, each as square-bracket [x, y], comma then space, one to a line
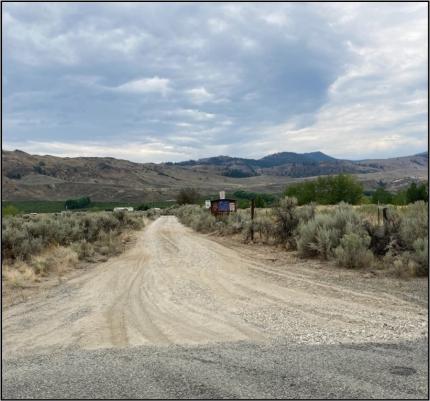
[80, 203]
[334, 189]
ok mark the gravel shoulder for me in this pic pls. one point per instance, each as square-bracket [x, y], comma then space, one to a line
[177, 294]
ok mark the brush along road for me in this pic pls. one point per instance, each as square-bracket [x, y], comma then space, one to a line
[180, 315]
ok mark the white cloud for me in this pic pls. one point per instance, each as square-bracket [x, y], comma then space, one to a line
[143, 152]
[279, 19]
[193, 114]
[199, 95]
[217, 25]
[254, 79]
[146, 85]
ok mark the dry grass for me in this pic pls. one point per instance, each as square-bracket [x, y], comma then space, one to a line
[18, 276]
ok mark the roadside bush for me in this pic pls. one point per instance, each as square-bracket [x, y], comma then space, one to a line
[414, 223]
[317, 237]
[24, 238]
[322, 234]
[286, 221]
[234, 224]
[421, 256]
[196, 217]
[56, 259]
[353, 251]
[19, 276]
[84, 250]
[306, 212]
[264, 227]
[109, 244]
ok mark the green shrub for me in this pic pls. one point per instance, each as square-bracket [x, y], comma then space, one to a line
[318, 237]
[322, 234]
[9, 210]
[414, 223]
[306, 212]
[353, 251]
[196, 217]
[24, 237]
[84, 250]
[286, 221]
[263, 225]
[421, 256]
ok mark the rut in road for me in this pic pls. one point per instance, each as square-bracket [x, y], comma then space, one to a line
[177, 286]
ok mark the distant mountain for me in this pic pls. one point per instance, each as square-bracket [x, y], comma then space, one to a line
[33, 177]
[275, 159]
[288, 164]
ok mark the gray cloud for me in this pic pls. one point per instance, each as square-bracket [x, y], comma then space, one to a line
[158, 82]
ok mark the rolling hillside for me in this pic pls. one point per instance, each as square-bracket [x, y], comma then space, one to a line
[33, 177]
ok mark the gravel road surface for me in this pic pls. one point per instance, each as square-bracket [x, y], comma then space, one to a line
[180, 315]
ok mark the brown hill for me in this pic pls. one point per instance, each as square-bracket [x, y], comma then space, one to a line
[33, 177]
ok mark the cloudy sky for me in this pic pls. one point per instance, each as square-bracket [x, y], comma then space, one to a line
[170, 82]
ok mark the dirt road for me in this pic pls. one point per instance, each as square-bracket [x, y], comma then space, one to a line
[179, 287]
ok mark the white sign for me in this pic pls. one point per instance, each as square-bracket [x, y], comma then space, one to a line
[222, 194]
[207, 204]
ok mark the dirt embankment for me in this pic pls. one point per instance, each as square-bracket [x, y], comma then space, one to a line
[175, 286]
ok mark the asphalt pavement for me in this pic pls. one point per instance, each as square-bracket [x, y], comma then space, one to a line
[224, 370]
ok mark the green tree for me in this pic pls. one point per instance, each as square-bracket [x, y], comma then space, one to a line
[187, 196]
[327, 190]
[304, 192]
[399, 198]
[416, 192]
[259, 201]
[382, 196]
[346, 188]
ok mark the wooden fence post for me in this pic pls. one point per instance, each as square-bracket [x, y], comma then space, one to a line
[252, 219]
[379, 214]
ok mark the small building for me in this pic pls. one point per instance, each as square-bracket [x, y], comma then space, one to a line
[126, 209]
[221, 207]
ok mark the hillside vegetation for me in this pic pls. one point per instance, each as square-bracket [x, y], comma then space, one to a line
[30, 177]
